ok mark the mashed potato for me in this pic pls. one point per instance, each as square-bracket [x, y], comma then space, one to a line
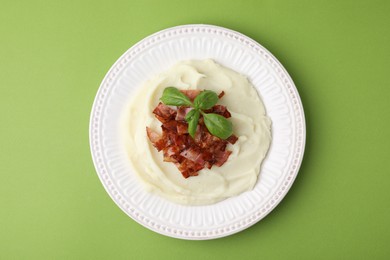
[250, 125]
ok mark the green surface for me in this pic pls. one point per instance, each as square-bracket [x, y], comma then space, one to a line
[53, 56]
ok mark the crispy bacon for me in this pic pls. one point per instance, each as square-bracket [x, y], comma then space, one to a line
[221, 157]
[155, 139]
[164, 113]
[191, 93]
[190, 155]
[193, 154]
[232, 139]
[170, 154]
[220, 110]
[169, 125]
[182, 112]
[153, 136]
[182, 128]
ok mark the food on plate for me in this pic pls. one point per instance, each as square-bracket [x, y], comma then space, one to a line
[246, 144]
[195, 130]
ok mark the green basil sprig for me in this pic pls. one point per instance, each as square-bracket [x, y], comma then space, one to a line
[192, 118]
[173, 97]
[206, 99]
[216, 124]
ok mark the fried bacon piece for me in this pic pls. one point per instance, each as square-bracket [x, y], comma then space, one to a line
[220, 110]
[189, 155]
[164, 113]
[191, 93]
[182, 112]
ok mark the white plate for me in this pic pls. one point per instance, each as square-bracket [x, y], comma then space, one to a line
[157, 53]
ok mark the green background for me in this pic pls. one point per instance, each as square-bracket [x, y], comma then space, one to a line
[53, 56]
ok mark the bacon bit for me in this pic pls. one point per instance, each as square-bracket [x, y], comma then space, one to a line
[182, 128]
[155, 139]
[190, 155]
[182, 112]
[170, 154]
[232, 139]
[169, 125]
[164, 113]
[221, 157]
[153, 136]
[188, 168]
[191, 93]
[220, 110]
[221, 94]
[193, 154]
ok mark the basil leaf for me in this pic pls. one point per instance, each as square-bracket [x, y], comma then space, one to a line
[192, 118]
[206, 99]
[173, 97]
[218, 125]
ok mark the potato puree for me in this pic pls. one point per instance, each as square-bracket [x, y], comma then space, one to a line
[250, 125]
